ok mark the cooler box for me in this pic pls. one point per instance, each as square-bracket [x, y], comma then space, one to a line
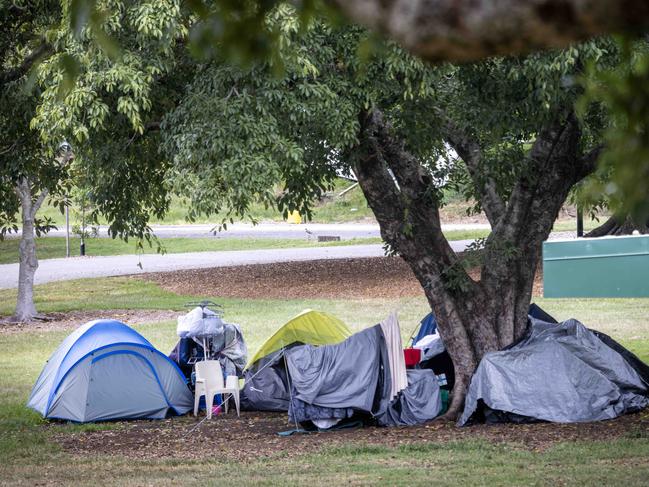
[412, 356]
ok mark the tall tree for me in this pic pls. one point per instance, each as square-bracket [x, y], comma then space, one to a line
[30, 171]
[512, 122]
[465, 30]
[437, 31]
[97, 86]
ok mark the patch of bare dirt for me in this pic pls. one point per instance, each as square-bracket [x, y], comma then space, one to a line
[72, 319]
[378, 277]
[254, 436]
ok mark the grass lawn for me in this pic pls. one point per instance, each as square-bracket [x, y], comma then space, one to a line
[350, 207]
[54, 247]
[30, 455]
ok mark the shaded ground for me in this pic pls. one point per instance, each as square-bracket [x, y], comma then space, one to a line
[72, 319]
[381, 277]
[254, 435]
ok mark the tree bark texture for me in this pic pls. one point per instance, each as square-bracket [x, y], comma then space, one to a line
[474, 317]
[466, 30]
[25, 308]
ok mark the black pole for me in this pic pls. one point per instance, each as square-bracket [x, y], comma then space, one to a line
[580, 222]
[82, 246]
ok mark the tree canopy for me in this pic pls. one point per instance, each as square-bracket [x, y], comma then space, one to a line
[240, 131]
[111, 109]
[122, 67]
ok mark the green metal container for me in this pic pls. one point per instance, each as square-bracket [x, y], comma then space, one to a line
[607, 267]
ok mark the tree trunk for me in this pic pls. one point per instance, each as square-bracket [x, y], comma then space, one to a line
[618, 226]
[474, 318]
[25, 308]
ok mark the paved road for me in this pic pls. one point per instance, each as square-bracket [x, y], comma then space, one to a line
[278, 230]
[80, 267]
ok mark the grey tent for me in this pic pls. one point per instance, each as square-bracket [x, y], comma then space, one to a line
[266, 384]
[106, 370]
[557, 372]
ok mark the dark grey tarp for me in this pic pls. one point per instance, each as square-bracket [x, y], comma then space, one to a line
[336, 381]
[266, 385]
[230, 349]
[557, 372]
[421, 401]
[301, 411]
[345, 375]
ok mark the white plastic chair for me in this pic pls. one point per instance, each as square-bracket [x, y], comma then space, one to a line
[209, 381]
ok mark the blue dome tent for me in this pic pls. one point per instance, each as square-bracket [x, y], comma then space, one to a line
[106, 370]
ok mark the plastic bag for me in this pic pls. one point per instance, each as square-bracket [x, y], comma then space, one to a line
[199, 322]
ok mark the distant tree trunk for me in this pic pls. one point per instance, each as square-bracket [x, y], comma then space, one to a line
[474, 317]
[618, 226]
[25, 308]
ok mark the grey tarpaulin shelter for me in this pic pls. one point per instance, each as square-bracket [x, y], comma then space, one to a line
[106, 370]
[366, 375]
[558, 372]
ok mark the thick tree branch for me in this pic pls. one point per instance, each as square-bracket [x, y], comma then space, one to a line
[466, 30]
[553, 162]
[373, 175]
[619, 225]
[39, 201]
[24, 194]
[470, 152]
[409, 210]
[17, 72]
[588, 162]
[414, 181]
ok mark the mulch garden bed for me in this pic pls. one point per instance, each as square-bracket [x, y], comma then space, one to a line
[376, 277]
[254, 436]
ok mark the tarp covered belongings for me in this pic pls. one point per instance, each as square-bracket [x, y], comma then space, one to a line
[364, 374]
[202, 327]
[199, 322]
[434, 355]
[106, 370]
[266, 384]
[557, 372]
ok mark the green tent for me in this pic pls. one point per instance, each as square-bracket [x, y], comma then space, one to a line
[312, 327]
